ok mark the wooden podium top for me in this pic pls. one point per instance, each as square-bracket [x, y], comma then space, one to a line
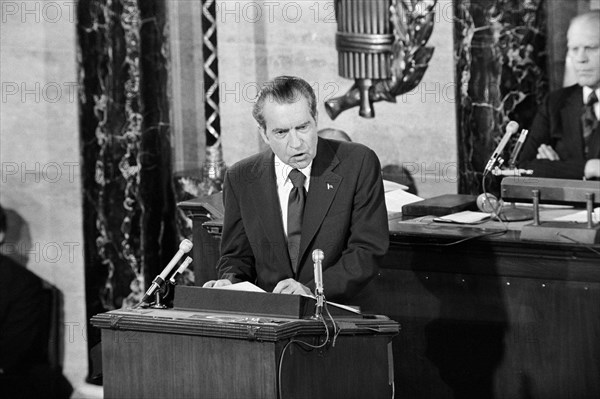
[237, 326]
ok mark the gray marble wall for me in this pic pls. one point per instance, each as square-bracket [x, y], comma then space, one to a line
[40, 159]
[260, 40]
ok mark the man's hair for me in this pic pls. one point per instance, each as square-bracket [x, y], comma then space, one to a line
[284, 90]
[589, 17]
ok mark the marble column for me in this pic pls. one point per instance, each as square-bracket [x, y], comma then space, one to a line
[129, 203]
[501, 75]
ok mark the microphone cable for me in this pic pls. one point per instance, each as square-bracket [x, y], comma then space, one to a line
[302, 345]
[310, 347]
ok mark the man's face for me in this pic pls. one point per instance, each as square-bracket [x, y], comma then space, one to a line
[291, 132]
[583, 42]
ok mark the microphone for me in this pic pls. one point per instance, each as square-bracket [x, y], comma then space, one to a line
[512, 163]
[511, 128]
[317, 257]
[186, 262]
[184, 247]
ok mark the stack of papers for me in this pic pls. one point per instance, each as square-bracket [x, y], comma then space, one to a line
[249, 287]
[396, 199]
[464, 217]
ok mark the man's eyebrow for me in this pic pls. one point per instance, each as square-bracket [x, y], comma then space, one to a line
[284, 130]
[303, 125]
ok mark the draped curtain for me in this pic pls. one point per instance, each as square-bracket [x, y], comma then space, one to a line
[129, 203]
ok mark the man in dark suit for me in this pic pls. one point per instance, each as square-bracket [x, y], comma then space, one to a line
[266, 240]
[564, 139]
[25, 371]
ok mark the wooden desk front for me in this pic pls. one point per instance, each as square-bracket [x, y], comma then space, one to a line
[488, 317]
[188, 354]
[491, 317]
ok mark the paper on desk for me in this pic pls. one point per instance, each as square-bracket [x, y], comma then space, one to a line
[249, 287]
[392, 185]
[464, 217]
[580, 217]
[396, 199]
[243, 286]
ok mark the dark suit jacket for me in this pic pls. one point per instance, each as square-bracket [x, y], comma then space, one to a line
[558, 124]
[344, 215]
[25, 371]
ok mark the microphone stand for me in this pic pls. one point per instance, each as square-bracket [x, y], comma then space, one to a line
[156, 304]
[514, 214]
[164, 285]
[159, 281]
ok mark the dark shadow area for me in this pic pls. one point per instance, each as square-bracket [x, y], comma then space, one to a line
[31, 351]
[466, 354]
[466, 341]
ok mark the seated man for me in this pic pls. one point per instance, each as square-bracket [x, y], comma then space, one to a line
[25, 371]
[564, 139]
[302, 194]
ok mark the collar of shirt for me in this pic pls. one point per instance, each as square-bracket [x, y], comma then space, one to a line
[282, 171]
[586, 93]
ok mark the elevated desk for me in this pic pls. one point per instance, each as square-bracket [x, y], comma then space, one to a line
[493, 316]
[489, 317]
[156, 353]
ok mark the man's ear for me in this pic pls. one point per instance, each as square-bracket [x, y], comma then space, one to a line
[263, 135]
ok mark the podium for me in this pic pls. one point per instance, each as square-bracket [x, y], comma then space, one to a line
[191, 353]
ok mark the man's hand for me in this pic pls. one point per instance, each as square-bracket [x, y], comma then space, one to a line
[290, 286]
[592, 169]
[547, 152]
[217, 283]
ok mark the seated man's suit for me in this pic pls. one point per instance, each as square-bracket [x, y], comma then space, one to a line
[558, 124]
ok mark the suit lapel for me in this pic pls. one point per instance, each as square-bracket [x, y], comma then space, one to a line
[324, 184]
[594, 150]
[266, 200]
[571, 118]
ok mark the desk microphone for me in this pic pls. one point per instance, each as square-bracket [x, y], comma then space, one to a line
[317, 257]
[184, 247]
[511, 128]
[512, 163]
[186, 262]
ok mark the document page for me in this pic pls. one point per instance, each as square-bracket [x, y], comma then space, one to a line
[243, 286]
[464, 217]
[396, 199]
[249, 287]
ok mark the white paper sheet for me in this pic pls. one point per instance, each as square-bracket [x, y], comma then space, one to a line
[464, 217]
[396, 199]
[580, 217]
[249, 287]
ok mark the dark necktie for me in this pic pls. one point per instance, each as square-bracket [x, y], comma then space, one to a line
[589, 123]
[294, 218]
